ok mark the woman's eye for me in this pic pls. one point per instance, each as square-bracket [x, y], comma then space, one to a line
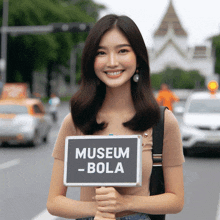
[123, 51]
[100, 53]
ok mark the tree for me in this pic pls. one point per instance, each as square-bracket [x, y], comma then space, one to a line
[28, 53]
[216, 47]
[92, 9]
[88, 6]
[178, 79]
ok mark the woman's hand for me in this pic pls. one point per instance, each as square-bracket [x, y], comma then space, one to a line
[104, 216]
[109, 200]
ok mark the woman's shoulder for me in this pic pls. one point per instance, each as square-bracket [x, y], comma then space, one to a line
[68, 118]
[169, 119]
[68, 124]
[172, 143]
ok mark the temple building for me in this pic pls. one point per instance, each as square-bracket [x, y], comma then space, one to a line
[171, 48]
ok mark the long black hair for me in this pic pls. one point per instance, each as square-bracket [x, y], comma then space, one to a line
[86, 103]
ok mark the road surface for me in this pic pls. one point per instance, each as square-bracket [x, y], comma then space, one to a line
[25, 177]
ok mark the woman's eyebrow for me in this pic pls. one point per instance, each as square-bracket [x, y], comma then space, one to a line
[117, 46]
[124, 45]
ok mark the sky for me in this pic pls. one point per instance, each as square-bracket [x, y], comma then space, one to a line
[199, 18]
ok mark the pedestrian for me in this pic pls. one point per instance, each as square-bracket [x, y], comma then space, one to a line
[115, 97]
[54, 102]
[166, 97]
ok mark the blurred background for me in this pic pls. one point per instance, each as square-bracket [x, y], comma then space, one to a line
[40, 65]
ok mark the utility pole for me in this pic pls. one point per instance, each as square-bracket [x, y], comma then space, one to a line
[4, 38]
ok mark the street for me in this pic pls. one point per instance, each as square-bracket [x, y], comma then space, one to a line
[25, 177]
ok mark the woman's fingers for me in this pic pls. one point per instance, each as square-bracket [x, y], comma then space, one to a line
[106, 209]
[104, 193]
[105, 203]
[102, 197]
[104, 190]
[109, 200]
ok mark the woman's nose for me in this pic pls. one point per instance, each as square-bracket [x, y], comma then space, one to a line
[112, 60]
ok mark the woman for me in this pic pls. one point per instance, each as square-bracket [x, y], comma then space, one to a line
[116, 98]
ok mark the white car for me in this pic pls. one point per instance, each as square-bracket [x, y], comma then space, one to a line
[23, 121]
[200, 128]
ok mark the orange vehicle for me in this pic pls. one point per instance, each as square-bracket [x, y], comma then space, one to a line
[15, 91]
[22, 119]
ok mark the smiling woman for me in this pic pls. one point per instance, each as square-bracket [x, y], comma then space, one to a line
[116, 97]
[115, 59]
[114, 52]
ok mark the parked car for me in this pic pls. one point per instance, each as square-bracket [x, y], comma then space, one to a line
[179, 107]
[24, 121]
[200, 128]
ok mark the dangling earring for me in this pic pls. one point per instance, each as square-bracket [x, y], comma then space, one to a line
[136, 76]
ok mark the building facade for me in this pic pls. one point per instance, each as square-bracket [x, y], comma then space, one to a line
[171, 48]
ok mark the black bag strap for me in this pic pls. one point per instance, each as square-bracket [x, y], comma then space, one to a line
[158, 132]
[157, 180]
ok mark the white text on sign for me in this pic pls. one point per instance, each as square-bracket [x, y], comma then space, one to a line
[102, 153]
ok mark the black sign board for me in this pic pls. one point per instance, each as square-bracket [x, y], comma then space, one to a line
[103, 160]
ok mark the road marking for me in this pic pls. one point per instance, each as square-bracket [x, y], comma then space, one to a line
[9, 164]
[218, 210]
[44, 215]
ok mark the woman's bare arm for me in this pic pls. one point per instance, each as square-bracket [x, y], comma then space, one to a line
[58, 204]
[172, 201]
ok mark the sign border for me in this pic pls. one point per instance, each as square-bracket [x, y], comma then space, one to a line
[127, 184]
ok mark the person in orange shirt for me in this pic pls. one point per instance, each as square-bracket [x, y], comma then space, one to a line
[166, 97]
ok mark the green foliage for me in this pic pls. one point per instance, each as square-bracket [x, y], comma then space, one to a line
[88, 6]
[67, 79]
[216, 46]
[156, 80]
[27, 53]
[18, 77]
[178, 79]
[92, 9]
[78, 77]
[78, 65]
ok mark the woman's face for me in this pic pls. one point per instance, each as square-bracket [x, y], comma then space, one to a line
[115, 62]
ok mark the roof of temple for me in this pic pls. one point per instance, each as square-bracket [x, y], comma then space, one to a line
[170, 18]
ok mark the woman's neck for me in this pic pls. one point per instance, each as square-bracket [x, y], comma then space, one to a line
[118, 100]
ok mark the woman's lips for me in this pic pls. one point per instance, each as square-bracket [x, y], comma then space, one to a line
[115, 74]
